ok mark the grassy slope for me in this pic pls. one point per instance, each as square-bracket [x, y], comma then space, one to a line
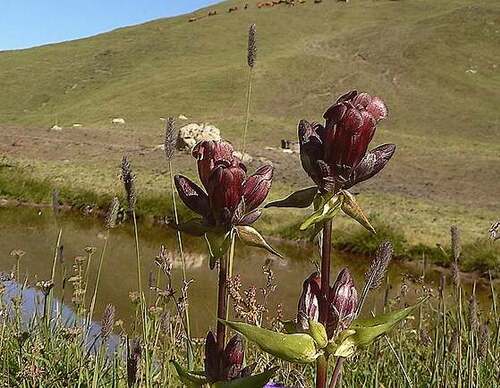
[414, 53]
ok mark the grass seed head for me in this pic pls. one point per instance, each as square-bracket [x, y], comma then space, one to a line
[484, 341]
[170, 138]
[378, 268]
[108, 321]
[456, 246]
[252, 46]
[112, 215]
[128, 179]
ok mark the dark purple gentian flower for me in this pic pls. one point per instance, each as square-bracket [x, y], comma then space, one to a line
[342, 299]
[228, 365]
[231, 197]
[335, 155]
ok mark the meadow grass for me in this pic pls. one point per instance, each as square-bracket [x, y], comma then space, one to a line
[449, 341]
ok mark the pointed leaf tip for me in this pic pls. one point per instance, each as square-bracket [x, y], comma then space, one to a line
[251, 237]
[351, 207]
[300, 199]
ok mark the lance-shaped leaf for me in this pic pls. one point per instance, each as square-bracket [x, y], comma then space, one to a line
[218, 243]
[326, 210]
[250, 236]
[299, 348]
[195, 226]
[300, 199]
[351, 207]
[192, 379]
[363, 332]
[256, 381]
[318, 332]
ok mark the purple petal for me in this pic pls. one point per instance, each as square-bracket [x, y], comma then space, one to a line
[373, 162]
[257, 186]
[311, 149]
[192, 195]
[250, 218]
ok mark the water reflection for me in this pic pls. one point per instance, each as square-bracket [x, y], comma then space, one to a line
[35, 232]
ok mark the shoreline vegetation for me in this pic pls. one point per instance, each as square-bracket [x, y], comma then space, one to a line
[481, 256]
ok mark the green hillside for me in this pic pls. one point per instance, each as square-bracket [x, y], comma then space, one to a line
[436, 63]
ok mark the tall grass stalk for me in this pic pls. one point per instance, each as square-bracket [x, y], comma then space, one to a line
[189, 345]
[251, 57]
[169, 147]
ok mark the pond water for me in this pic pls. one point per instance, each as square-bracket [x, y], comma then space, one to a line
[35, 232]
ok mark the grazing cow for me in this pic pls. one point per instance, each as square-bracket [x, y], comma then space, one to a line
[317, 1]
[232, 9]
[118, 120]
[246, 6]
[212, 12]
[192, 19]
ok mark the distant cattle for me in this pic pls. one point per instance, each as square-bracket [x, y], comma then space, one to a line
[232, 9]
[212, 12]
[317, 1]
[118, 120]
[193, 19]
[246, 6]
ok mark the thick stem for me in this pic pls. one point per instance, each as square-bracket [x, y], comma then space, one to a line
[322, 364]
[222, 304]
[225, 272]
[325, 271]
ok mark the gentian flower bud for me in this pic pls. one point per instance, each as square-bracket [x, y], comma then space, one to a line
[335, 155]
[232, 361]
[308, 307]
[343, 301]
[232, 198]
[212, 359]
[208, 153]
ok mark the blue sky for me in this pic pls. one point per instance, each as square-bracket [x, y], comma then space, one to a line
[27, 23]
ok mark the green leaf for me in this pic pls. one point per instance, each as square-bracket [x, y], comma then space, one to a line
[195, 227]
[300, 199]
[326, 210]
[218, 243]
[193, 379]
[299, 348]
[318, 332]
[351, 207]
[255, 381]
[250, 236]
[363, 332]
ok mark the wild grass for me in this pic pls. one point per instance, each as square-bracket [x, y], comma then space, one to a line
[448, 338]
